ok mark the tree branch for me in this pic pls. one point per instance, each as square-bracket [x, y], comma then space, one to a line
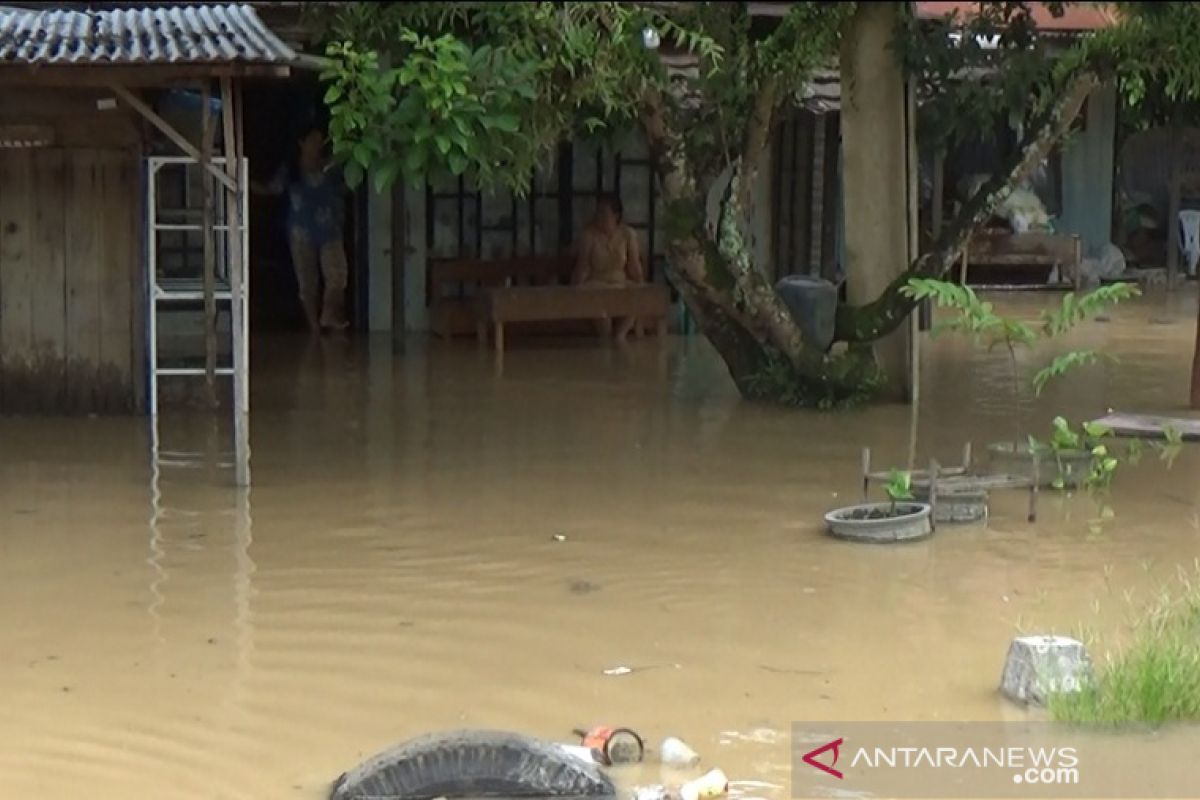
[758, 137]
[884, 314]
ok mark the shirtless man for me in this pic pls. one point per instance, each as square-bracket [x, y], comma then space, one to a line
[608, 254]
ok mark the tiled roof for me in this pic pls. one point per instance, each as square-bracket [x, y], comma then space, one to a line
[148, 34]
[1075, 18]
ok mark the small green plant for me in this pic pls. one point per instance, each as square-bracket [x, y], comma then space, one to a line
[1169, 450]
[1155, 679]
[898, 487]
[1090, 438]
[978, 319]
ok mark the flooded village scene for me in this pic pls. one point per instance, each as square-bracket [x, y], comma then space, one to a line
[654, 401]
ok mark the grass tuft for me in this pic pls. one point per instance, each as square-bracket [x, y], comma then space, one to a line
[1154, 679]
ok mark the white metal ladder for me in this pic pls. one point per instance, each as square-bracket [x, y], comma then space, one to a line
[232, 290]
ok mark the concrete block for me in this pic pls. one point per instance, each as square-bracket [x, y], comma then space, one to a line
[1039, 666]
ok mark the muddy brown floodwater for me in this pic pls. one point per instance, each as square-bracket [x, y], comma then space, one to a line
[437, 541]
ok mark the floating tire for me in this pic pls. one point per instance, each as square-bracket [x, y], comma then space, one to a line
[472, 764]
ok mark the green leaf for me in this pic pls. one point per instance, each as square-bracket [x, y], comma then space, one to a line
[1172, 434]
[333, 94]
[354, 174]
[1062, 365]
[443, 143]
[898, 485]
[504, 122]
[362, 154]
[458, 162]
[414, 160]
[385, 175]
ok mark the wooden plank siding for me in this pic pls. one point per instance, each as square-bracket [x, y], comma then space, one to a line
[70, 281]
[16, 279]
[48, 263]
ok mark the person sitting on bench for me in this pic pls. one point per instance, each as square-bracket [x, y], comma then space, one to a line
[608, 254]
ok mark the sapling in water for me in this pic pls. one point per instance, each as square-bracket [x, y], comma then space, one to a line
[898, 487]
[978, 319]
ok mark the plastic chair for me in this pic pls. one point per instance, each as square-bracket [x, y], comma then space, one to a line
[1189, 238]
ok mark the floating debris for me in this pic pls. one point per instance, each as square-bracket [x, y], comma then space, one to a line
[624, 670]
[676, 753]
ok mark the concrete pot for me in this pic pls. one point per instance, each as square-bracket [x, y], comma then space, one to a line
[1075, 464]
[912, 522]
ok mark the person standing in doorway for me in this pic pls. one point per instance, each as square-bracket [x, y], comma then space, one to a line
[314, 224]
[608, 254]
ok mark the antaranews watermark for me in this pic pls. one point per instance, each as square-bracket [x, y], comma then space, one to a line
[992, 760]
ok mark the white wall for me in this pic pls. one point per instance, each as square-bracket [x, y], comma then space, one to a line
[379, 259]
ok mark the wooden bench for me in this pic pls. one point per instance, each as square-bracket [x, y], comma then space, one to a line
[454, 286]
[1025, 250]
[495, 307]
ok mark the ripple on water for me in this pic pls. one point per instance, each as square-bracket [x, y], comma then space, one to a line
[396, 569]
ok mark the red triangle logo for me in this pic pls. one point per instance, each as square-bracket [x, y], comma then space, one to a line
[810, 758]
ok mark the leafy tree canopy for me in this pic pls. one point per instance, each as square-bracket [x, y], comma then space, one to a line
[490, 89]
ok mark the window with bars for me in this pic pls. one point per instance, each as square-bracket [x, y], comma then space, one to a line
[463, 222]
[805, 184]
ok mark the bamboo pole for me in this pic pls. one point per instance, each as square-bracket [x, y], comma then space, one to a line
[1175, 197]
[231, 116]
[180, 141]
[939, 194]
[210, 300]
[914, 223]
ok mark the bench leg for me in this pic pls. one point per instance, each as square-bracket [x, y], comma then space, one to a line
[498, 331]
[660, 328]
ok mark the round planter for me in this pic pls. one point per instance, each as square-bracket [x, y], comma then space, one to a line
[1075, 464]
[912, 522]
[956, 506]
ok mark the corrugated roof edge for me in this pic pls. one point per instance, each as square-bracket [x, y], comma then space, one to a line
[146, 34]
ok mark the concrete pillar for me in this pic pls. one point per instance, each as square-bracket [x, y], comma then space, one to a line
[874, 172]
[1087, 173]
[379, 259]
[416, 315]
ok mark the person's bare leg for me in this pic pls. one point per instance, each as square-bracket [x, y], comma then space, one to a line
[304, 263]
[335, 268]
[624, 326]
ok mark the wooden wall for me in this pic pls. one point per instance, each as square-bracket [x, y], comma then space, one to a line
[71, 293]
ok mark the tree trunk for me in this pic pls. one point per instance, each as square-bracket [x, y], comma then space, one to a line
[735, 305]
[875, 140]
[709, 262]
[744, 355]
[869, 322]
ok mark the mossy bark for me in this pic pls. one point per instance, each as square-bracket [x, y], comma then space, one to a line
[709, 262]
[735, 305]
[869, 322]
